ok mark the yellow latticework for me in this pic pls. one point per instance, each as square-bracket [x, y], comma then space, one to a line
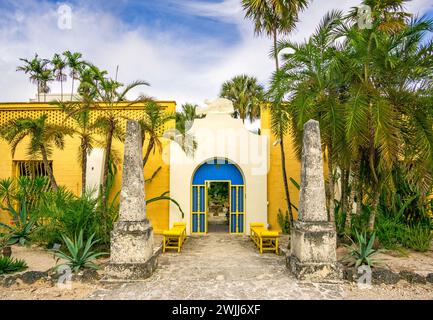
[10, 111]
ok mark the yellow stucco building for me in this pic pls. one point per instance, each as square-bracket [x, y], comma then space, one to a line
[162, 214]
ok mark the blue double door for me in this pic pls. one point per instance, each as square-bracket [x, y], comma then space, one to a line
[217, 171]
[199, 212]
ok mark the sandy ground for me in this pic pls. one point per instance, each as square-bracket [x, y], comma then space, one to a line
[46, 291]
[36, 258]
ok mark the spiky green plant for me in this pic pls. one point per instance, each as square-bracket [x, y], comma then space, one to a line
[79, 254]
[10, 265]
[362, 252]
[22, 225]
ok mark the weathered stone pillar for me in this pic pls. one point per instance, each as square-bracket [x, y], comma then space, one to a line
[313, 243]
[132, 254]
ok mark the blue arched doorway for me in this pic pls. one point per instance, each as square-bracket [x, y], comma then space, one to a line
[217, 170]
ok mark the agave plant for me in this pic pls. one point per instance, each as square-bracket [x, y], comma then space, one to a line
[22, 225]
[10, 265]
[361, 253]
[79, 254]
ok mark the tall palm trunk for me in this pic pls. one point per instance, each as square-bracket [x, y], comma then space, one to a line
[61, 89]
[331, 186]
[286, 185]
[84, 147]
[104, 195]
[72, 92]
[374, 205]
[149, 149]
[355, 167]
[281, 137]
[48, 168]
[275, 35]
[39, 91]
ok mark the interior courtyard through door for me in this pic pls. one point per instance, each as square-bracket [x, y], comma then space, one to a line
[207, 174]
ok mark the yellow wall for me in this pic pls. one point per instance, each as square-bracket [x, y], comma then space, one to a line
[68, 172]
[276, 194]
[66, 167]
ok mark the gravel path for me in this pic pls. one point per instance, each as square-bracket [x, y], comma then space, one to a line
[220, 266]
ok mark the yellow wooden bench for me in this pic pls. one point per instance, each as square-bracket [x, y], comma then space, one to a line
[175, 237]
[264, 240]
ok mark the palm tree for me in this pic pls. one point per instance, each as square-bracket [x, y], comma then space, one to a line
[109, 94]
[74, 63]
[45, 77]
[83, 127]
[309, 75]
[186, 117]
[59, 66]
[37, 71]
[387, 65]
[370, 91]
[43, 138]
[274, 17]
[154, 119]
[246, 95]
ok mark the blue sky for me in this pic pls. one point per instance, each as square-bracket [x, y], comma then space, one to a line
[184, 48]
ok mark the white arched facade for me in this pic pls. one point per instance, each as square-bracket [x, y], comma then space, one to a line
[220, 136]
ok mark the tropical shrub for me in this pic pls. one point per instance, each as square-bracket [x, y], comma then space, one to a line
[362, 252]
[79, 254]
[390, 224]
[10, 265]
[339, 218]
[359, 223]
[61, 213]
[284, 221]
[22, 225]
[417, 237]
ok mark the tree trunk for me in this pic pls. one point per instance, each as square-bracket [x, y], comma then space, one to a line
[104, 195]
[344, 189]
[148, 151]
[39, 91]
[48, 168]
[374, 205]
[353, 193]
[286, 185]
[61, 89]
[72, 92]
[331, 186]
[277, 65]
[83, 165]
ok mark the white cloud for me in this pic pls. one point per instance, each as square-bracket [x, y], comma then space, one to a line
[185, 70]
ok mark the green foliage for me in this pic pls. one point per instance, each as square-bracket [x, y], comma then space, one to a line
[389, 231]
[284, 221]
[79, 254]
[404, 217]
[359, 223]
[22, 225]
[340, 218]
[219, 192]
[61, 213]
[417, 237]
[246, 94]
[10, 265]
[362, 252]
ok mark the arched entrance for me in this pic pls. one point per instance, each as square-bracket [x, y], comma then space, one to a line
[217, 170]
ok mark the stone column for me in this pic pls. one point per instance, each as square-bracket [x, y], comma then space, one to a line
[313, 241]
[132, 255]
